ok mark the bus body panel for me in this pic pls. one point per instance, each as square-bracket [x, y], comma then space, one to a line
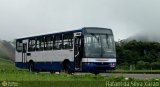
[49, 58]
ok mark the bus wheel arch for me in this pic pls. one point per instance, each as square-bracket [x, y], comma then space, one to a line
[31, 65]
[67, 66]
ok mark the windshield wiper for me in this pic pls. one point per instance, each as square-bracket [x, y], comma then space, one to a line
[95, 37]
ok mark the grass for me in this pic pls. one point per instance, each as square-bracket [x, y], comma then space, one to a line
[136, 71]
[9, 72]
[24, 78]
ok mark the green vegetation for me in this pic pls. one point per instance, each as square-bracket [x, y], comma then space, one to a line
[138, 55]
[136, 71]
[23, 78]
[8, 72]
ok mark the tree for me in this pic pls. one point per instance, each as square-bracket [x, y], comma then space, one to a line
[138, 53]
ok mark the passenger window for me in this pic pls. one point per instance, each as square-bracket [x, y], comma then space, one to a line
[48, 42]
[40, 44]
[57, 42]
[32, 45]
[68, 41]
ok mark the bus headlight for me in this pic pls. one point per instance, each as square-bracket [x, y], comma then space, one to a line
[112, 64]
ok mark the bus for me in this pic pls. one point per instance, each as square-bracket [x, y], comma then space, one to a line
[88, 49]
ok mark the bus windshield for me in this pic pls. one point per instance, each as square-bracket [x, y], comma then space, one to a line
[99, 45]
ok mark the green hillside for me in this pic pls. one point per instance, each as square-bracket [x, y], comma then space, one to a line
[9, 72]
[12, 76]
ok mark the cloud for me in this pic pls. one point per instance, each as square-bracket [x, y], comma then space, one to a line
[20, 18]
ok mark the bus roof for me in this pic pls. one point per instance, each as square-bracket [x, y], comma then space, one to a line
[84, 30]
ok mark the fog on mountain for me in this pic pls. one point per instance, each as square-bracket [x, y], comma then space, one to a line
[7, 50]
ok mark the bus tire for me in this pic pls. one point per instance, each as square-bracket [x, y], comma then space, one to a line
[31, 67]
[67, 67]
[96, 72]
[68, 70]
[52, 72]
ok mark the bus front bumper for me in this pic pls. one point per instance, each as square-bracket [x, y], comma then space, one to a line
[98, 66]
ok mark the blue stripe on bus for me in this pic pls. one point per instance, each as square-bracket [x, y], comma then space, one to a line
[92, 66]
[57, 66]
[42, 65]
[21, 65]
[48, 66]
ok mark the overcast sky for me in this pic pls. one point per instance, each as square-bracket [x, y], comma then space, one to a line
[19, 18]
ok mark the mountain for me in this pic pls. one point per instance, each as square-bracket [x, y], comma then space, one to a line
[149, 36]
[7, 50]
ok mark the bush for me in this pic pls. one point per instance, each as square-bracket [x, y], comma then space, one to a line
[155, 65]
[143, 54]
[141, 65]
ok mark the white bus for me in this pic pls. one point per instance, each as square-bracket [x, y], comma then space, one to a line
[89, 49]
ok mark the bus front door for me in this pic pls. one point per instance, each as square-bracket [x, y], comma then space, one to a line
[77, 53]
[24, 54]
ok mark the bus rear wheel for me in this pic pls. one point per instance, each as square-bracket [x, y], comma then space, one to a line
[31, 67]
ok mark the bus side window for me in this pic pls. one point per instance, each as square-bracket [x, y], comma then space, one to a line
[68, 41]
[32, 45]
[40, 44]
[57, 42]
[19, 45]
[37, 44]
[48, 42]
